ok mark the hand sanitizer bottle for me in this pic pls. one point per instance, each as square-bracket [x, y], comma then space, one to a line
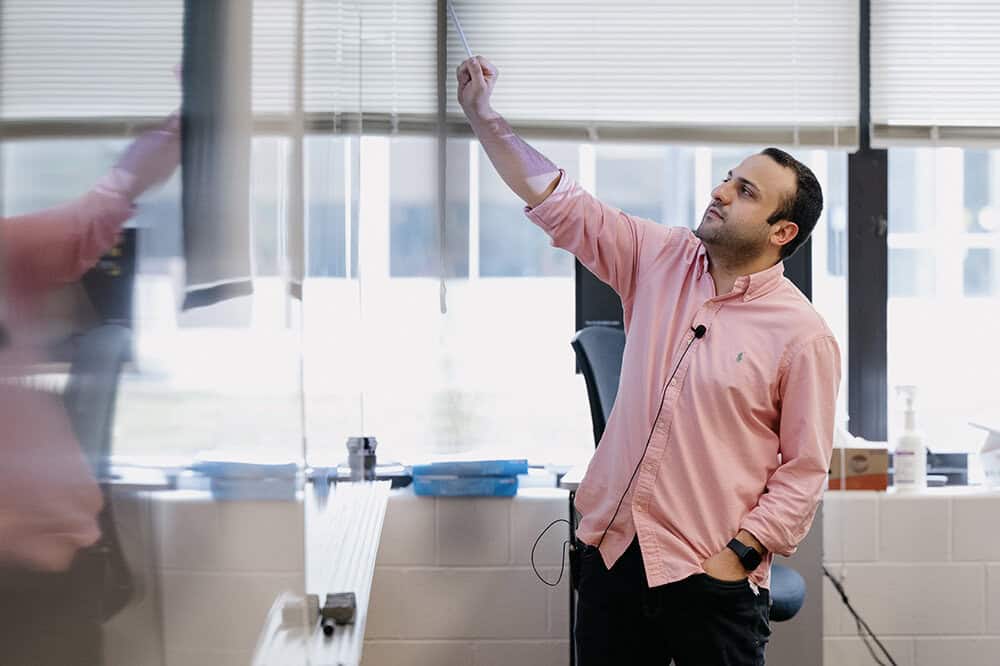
[910, 454]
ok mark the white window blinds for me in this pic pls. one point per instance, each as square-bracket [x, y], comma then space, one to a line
[66, 60]
[72, 60]
[332, 56]
[684, 69]
[935, 70]
[273, 56]
[375, 56]
[781, 71]
[100, 58]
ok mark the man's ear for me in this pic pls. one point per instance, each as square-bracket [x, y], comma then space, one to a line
[783, 232]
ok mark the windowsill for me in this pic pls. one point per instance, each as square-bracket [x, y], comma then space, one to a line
[892, 493]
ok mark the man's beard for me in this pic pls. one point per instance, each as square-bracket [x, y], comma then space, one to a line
[728, 246]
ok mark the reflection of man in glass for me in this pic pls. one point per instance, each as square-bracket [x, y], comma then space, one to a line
[716, 453]
[49, 500]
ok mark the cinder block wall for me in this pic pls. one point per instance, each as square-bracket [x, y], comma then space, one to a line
[454, 586]
[924, 572]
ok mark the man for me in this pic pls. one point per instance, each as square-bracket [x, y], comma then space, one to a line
[716, 454]
[51, 575]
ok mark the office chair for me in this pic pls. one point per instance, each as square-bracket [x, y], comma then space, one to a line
[599, 352]
[90, 397]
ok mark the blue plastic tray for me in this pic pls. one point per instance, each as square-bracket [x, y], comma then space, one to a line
[467, 486]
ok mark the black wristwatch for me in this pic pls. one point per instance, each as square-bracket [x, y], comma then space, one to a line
[749, 557]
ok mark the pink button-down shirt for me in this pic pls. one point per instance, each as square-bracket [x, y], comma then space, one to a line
[745, 432]
[49, 499]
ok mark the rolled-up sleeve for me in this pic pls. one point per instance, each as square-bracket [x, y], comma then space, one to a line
[58, 245]
[785, 511]
[605, 240]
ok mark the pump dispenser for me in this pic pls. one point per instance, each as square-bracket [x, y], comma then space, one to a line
[910, 454]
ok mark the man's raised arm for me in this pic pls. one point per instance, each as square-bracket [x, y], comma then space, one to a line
[525, 170]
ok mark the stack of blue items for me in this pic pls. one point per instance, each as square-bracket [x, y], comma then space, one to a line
[472, 478]
[235, 479]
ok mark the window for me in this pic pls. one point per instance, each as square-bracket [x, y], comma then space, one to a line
[192, 377]
[267, 178]
[829, 254]
[40, 174]
[912, 219]
[436, 340]
[979, 272]
[190, 384]
[835, 214]
[981, 221]
[414, 236]
[944, 298]
[493, 375]
[327, 162]
[381, 356]
[507, 247]
[653, 182]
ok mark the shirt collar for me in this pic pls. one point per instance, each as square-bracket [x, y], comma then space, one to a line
[760, 283]
[750, 286]
[701, 260]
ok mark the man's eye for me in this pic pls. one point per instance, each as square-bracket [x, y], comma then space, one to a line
[746, 191]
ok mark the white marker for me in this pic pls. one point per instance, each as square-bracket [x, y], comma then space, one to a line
[458, 27]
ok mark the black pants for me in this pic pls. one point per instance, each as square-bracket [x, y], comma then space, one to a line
[53, 619]
[699, 621]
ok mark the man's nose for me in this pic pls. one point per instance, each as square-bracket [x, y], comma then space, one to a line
[720, 194]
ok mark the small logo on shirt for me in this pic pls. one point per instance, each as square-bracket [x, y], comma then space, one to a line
[739, 357]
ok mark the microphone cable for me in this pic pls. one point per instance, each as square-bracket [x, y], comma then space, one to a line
[562, 559]
[699, 332]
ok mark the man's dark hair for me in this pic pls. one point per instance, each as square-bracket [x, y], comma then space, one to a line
[803, 206]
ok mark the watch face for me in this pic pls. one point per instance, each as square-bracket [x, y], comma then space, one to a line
[749, 558]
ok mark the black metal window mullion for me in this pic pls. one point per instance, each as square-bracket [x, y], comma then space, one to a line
[867, 263]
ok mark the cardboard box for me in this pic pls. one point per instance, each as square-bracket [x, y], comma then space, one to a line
[859, 469]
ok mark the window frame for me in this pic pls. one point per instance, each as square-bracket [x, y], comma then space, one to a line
[868, 208]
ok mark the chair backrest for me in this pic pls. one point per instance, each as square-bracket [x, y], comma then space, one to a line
[92, 391]
[90, 397]
[599, 351]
